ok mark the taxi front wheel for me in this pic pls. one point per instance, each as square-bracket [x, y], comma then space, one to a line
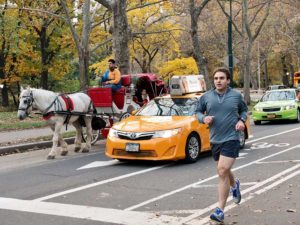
[192, 148]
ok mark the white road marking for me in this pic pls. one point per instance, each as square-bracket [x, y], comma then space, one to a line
[203, 181]
[99, 183]
[100, 164]
[273, 135]
[192, 221]
[216, 185]
[87, 212]
[280, 161]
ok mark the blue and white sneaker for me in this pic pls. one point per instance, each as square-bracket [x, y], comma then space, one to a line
[236, 193]
[218, 215]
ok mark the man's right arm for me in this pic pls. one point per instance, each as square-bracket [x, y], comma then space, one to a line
[201, 108]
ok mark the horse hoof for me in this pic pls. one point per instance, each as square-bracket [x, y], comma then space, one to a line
[63, 153]
[50, 157]
[85, 150]
[76, 149]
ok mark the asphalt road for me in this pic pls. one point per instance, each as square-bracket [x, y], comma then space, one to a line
[90, 189]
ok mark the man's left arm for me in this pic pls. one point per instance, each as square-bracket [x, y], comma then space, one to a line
[243, 112]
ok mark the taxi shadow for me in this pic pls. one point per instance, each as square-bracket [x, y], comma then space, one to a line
[151, 163]
[277, 122]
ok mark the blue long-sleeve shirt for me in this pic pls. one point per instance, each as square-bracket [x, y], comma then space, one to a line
[227, 110]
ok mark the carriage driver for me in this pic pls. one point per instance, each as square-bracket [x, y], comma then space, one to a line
[111, 77]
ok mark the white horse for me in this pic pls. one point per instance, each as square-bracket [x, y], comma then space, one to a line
[59, 110]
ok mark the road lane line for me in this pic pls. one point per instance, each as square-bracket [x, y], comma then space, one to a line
[87, 212]
[280, 161]
[259, 184]
[272, 135]
[233, 205]
[205, 180]
[99, 183]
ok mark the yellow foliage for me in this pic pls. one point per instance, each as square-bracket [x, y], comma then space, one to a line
[179, 66]
[100, 67]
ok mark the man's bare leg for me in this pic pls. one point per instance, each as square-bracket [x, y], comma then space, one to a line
[225, 179]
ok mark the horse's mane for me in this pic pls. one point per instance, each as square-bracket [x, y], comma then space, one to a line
[39, 90]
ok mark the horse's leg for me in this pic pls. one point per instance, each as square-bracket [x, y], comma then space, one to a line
[88, 123]
[56, 134]
[78, 128]
[63, 145]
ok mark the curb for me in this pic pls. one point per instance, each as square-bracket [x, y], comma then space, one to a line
[27, 146]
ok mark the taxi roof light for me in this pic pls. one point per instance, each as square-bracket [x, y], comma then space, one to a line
[185, 84]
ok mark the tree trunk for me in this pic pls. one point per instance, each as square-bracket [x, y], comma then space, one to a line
[197, 53]
[247, 72]
[84, 53]
[4, 90]
[83, 70]
[285, 80]
[266, 73]
[121, 34]
[4, 93]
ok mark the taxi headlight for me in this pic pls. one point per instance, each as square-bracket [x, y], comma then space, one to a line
[258, 109]
[112, 133]
[288, 107]
[166, 133]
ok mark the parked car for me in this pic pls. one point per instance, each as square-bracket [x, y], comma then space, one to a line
[163, 129]
[280, 104]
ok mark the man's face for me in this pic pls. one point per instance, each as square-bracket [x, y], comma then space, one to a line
[111, 65]
[221, 81]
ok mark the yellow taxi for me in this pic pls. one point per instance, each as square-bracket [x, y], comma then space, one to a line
[166, 128]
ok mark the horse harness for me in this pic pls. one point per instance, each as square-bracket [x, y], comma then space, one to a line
[58, 109]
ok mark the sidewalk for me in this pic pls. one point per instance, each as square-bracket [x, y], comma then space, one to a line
[20, 140]
[19, 135]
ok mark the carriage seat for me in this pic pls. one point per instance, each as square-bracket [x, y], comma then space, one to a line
[126, 80]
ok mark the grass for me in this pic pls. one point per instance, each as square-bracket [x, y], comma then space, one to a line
[10, 121]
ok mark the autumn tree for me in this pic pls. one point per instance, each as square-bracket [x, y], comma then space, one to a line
[195, 10]
[48, 28]
[120, 32]
[155, 34]
[253, 16]
[8, 40]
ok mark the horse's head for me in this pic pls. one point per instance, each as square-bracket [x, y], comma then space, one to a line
[25, 105]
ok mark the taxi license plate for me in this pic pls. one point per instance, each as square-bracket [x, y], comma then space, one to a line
[271, 116]
[132, 147]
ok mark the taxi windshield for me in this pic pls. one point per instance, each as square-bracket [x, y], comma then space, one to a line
[169, 107]
[278, 96]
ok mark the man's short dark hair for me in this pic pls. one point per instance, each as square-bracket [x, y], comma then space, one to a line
[112, 61]
[223, 70]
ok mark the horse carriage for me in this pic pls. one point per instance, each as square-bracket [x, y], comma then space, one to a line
[116, 106]
[95, 111]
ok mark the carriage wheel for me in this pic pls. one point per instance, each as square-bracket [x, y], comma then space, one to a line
[95, 135]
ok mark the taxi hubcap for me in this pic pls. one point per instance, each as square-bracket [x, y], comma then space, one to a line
[193, 147]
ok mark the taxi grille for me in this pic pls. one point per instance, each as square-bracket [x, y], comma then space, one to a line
[144, 153]
[271, 109]
[135, 135]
